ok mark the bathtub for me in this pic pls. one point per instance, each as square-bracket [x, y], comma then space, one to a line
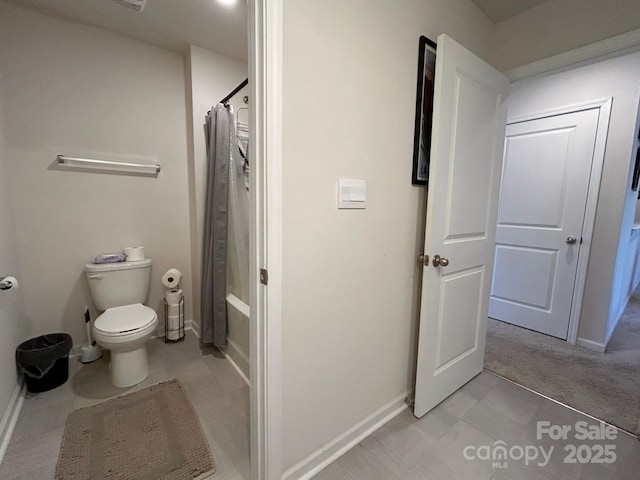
[237, 349]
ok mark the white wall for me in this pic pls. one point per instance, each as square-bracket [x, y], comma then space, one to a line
[82, 91]
[237, 274]
[556, 26]
[12, 317]
[210, 77]
[634, 260]
[350, 281]
[617, 78]
[624, 274]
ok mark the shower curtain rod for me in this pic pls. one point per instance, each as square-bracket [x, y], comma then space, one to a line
[226, 99]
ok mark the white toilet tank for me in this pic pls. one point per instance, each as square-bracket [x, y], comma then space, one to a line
[117, 284]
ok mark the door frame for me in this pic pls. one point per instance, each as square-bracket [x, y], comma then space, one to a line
[265, 74]
[604, 107]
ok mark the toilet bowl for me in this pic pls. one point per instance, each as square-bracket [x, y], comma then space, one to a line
[119, 291]
[125, 331]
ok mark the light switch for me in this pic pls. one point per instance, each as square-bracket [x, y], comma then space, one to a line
[352, 193]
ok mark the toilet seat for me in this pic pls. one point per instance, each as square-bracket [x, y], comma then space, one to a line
[125, 320]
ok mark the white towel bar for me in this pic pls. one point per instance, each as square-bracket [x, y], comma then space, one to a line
[107, 165]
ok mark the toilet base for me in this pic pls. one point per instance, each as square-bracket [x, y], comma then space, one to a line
[128, 368]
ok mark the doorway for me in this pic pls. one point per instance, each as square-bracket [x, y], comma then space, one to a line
[570, 374]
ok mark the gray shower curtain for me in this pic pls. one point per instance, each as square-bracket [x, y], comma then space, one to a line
[213, 307]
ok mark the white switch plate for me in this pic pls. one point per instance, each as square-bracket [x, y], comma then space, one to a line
[352, 193]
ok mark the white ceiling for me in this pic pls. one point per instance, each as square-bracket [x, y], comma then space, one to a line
[172, 24]
[498, 10]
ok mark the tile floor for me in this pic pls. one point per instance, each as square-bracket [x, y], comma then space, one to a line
[218, 393]
[485, 410]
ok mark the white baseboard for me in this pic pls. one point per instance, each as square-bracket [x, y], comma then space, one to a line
[195, 328]
[238, 359]
[602, 347]
[591, 345]
[233, 363]
[10, 417]
[329, 452]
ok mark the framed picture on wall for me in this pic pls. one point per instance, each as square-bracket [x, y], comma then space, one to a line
[424, 111]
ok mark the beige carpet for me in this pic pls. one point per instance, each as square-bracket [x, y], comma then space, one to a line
[150, 434]
[605, 386]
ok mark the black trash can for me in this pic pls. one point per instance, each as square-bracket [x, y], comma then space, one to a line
[44, 360]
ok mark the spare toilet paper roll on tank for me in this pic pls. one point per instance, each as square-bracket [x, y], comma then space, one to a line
[134, 254]
[171, 278]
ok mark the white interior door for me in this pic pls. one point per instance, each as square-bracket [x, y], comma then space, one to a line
[469, 119]
[545, 180]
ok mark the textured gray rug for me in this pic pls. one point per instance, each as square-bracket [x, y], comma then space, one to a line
[150, 434]
[605, 386]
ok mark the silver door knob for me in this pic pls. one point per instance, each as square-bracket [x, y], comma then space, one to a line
[571, 240]
[439, 261]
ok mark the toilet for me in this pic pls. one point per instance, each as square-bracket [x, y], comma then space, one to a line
[119, 291]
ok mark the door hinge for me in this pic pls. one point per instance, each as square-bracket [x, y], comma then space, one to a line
[264, 276]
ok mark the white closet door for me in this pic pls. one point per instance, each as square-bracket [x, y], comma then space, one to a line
[547, 165]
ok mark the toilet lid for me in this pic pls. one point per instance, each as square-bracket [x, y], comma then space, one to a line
[125, 319]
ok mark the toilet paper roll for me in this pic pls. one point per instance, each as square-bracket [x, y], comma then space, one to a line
[134, 254]
[173, 331]
[171, 278]
[173, 298]
[173, 310]
[171, 335]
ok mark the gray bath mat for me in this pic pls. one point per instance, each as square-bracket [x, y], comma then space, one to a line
[151, 434]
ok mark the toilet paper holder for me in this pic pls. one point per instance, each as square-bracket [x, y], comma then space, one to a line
[6, 283]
